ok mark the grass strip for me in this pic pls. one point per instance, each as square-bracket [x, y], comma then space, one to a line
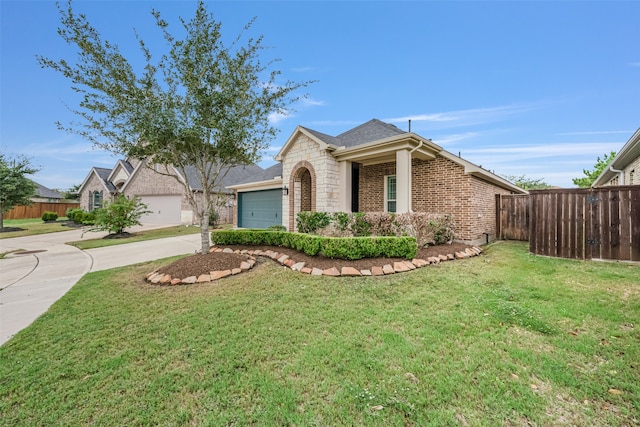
[506, 338]
[140, 236]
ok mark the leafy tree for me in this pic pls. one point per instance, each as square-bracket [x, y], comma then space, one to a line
[590, 176]
[15, 188]
[122, 213]
[71, 193]
[526, 183]
[202, 106]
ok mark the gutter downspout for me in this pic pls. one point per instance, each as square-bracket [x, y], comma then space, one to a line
[621, 174]
[411, 176]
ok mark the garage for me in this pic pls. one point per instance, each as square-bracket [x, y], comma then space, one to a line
[260, 209]
[164, 209]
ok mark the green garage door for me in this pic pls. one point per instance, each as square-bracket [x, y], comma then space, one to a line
[260, 209]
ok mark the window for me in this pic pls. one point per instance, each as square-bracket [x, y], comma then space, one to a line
[390, 193]
[97, 200]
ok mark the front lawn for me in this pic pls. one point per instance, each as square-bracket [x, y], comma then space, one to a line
[505, 339]
[33, 226]
[156, 233]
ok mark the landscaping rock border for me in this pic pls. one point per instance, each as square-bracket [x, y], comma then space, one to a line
[157, 278]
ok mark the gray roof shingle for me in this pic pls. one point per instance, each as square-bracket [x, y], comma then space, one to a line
[373, 130]
[47, 193]
[266, 175]
[235, 175]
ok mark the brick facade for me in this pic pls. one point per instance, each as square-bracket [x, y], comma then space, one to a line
[438, 186]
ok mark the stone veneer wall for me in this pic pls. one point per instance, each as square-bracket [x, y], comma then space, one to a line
[94, 184]
[438, 186]
[304, 149]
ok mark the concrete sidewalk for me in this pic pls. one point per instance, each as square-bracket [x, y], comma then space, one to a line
[31, 283]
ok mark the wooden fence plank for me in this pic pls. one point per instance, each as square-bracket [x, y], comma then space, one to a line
[635, 223]
[580, 226]
[625, 225]
[38, 208]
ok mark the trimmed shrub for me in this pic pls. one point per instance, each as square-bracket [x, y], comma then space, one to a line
[311, 222]
[426, 228]
[331, 247]
[71, 213]
[49, 216]
[277, 228]
[86, 218]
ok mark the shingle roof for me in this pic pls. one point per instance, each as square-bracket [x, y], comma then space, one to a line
[234, 176]
[373, 130]
[266, 175]
[47, 193]
[104, 173]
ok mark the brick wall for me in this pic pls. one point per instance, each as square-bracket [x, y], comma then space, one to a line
[438, 186]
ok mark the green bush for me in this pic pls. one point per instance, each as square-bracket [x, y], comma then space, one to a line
[75, 215]
[85, 218]
[214, 217]
[122, 213]
[277, 228]
[311, 222]
[331, 247]
[49, 216]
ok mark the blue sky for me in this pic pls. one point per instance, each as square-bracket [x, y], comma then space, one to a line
[521, 88]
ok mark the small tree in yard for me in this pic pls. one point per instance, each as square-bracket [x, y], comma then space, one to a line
[15, 188]
[202, 106]
[120, 214]
[590, 176]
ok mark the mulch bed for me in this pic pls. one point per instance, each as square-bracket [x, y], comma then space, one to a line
[195, 265]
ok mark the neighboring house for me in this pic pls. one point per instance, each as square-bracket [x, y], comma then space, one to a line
[371, 168]
[46, 195]
[624, 169]
[164, 195]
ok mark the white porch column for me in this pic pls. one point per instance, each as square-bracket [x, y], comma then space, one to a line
[403, 181]
[345, 183]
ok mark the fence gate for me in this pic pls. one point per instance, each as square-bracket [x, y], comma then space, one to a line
[593, 223]
[512, 217]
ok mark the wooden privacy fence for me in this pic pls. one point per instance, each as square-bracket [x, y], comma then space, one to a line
[38, 208]
[512, 217]
[592, 223]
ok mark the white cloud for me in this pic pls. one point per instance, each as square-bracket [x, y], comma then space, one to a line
[278, 116]
[604, 132]
[302, 69]
[450, 139]
[468, 117]
[308, 102]
[549, 150]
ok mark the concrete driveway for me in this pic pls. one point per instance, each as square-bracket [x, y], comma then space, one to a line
[30, 283]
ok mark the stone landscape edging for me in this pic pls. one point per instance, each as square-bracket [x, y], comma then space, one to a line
[158, 278]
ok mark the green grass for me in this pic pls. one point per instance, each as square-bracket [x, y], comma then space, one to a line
[32, 226]
[157, 233]
[506, 338]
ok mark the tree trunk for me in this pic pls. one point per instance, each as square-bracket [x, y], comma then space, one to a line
[204, 223]
[204, 233]
[1, 218]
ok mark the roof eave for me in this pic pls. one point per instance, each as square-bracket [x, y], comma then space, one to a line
[323, 145]
[384, 149]
[258, 185]
[629, 152]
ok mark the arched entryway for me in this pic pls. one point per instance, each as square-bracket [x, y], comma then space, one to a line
[302, 185]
